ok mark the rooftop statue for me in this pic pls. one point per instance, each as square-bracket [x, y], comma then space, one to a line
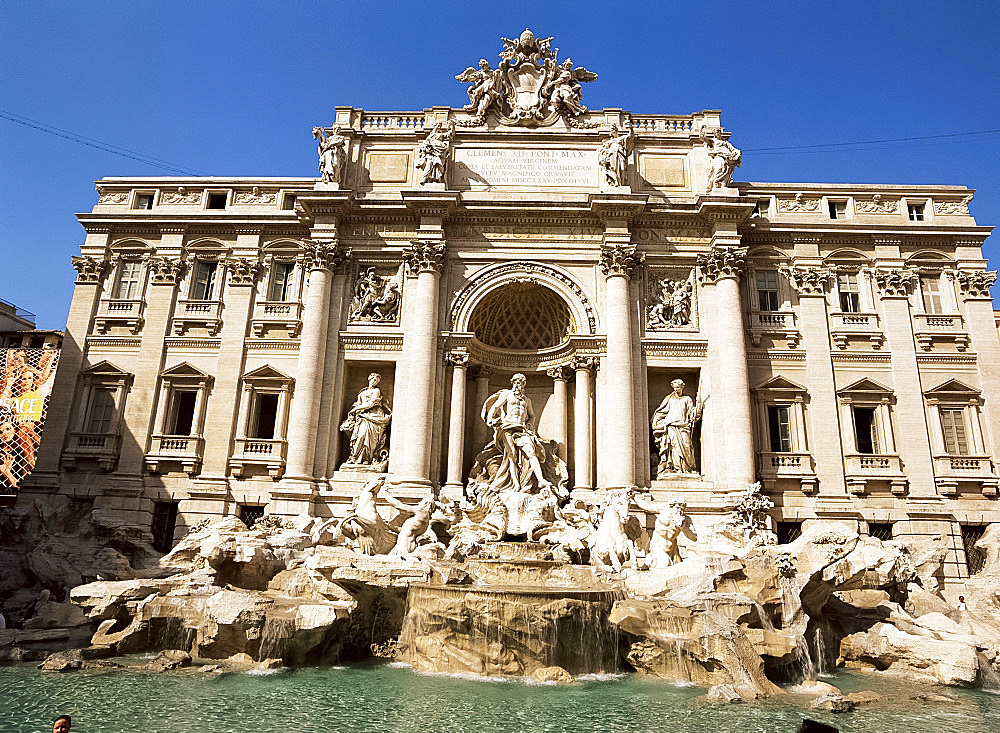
[530, 86]
[725, 159]
[332, 151]
[433, 153]
[613, 156]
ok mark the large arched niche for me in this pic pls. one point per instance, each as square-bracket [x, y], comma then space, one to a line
[522, 316]
[545, 291]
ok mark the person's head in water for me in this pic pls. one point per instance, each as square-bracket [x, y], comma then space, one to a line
[62, 724]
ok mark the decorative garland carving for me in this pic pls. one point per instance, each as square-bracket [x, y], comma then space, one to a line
[165, 271]
[953, 207]
[807, 280]
[180, 196]
[976, 284]
[242, 271]
[526, 268]
[256, 196]
[112, 197]
[799, 203]
[620, 260]
[89, 269]
[720, 263]
[424, 257]
[894, 283]
[877, 205]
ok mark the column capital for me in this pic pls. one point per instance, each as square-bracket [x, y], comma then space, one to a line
[585, 363]
[807, 280]
[89, 269]
[166, 271]
[325, 254]
[481, 371]
[895, 282]
[620, 260]
[424, 256]
[242, 271]
[720, 263]
[457, 359]
[561, 372]
[975, 285]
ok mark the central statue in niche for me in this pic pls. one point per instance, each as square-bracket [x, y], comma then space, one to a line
[518, 478]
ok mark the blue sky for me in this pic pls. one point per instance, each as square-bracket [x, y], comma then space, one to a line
[234, 88]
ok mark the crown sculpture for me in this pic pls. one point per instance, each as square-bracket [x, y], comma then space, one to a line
[530, 87]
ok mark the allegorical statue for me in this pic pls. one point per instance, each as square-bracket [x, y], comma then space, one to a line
[724, 158]
[367, 421]
[487, 87]
[613, 156]
[332, 154]
[672, 424]
[671, 521]
[521, 453]
[433, 153]
[563, 89]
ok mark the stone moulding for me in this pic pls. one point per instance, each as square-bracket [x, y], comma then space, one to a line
[492, 277]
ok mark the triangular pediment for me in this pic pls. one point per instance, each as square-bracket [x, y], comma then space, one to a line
[185, 370]
[105, 369]
[266, 372]
[865, 386]
[780, 384]
[952, 388]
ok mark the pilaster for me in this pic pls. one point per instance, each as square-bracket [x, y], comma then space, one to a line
[458, 360]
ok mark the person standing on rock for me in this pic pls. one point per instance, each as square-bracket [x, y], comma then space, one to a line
[961, 604]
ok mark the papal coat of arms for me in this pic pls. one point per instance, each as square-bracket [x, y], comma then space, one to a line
[530, 87]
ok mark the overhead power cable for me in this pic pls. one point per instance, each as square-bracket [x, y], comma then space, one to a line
[871, 142]
[97, 144]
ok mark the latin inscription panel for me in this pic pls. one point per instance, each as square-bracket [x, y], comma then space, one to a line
[484, 168]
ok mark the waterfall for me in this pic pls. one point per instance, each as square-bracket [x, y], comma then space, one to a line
[274, 637]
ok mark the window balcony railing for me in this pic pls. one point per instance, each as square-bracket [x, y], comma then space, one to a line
[266, 452]
[197, 314]
[931, 327]
[848, 326]
[187, 450]
[102, 447]
[119, 312]
[798, 466]
[773, 323]
[277, 314]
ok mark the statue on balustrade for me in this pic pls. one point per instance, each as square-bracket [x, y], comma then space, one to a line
[613, 156]
[433, 153]
[725, 159]
[673, 422]
[367, 421]
[332, 154]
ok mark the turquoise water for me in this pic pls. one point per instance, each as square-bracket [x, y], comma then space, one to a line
[381, 698]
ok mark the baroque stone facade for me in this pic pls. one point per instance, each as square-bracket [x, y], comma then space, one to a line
[269, 343]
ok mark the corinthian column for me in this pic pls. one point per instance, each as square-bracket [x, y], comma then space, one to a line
[426, 258]
[323, 257]
[583, 430]
[619, 262]
[721, 267]
[560, 375]
[456, 427]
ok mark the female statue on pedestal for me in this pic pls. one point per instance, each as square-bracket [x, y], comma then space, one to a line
[672, 423]
[367, 421]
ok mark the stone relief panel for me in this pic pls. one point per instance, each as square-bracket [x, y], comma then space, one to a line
[799, 203]
[377, 296]
[877, 205]
[953, 207]
[255, 196]
[180, 196]
[670, 300]
[112, 197]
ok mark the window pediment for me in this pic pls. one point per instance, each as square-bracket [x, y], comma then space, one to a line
[267, 374]
[953, 389]
[781, 385]
[105, 370]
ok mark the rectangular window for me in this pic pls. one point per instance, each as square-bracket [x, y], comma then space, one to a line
[249, 514]
[975, 559]
[164, 524]
[767, 290]
[930, 291]
[788, 532]
[127, 286]
[102, 410]
[850, 293]
[838, 209]
[281, 280]
[915, 211]
[204, 280]
[265, 416]
[143, 201]
[779, 428]
[288, 203]
[880, 530]
[864, 430]
[953, 427]
[216, 201]
[182, 412]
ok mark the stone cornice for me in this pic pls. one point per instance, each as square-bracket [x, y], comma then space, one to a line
[429, 203]
[617, 207]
